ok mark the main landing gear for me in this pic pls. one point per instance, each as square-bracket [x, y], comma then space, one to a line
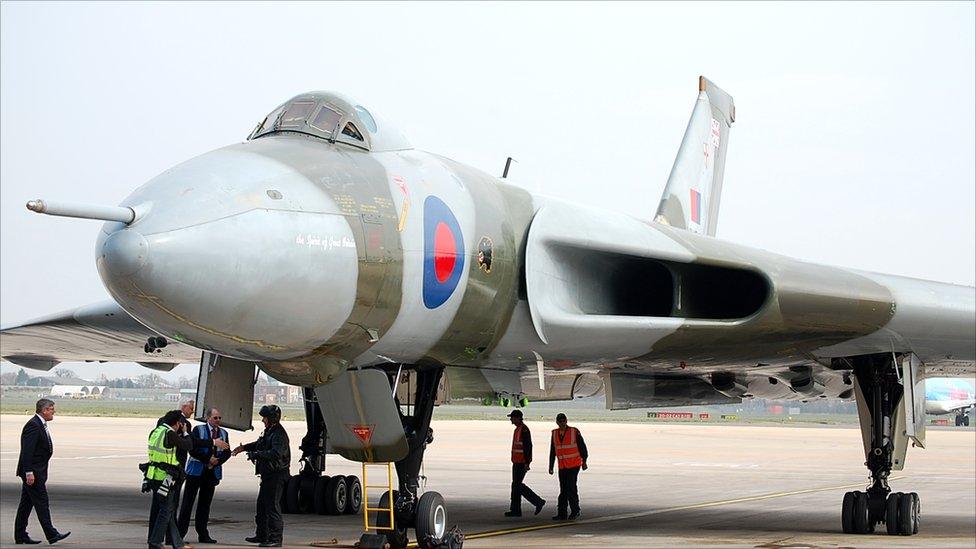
[426, 513]
[880, 395]
[312, 491]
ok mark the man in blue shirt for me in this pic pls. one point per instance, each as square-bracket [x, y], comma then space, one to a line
[203, 473]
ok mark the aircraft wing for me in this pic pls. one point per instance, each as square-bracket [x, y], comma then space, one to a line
[101, 332]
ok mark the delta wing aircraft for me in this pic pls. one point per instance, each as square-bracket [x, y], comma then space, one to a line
[330, 254]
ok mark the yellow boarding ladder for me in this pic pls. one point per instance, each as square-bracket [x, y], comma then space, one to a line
[366, 508]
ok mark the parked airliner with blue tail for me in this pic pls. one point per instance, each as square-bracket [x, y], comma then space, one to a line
[950, 395]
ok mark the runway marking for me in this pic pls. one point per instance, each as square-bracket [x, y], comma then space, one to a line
[639, 514]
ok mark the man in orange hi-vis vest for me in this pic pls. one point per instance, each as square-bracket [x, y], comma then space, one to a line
[569, 449]
[521, 458]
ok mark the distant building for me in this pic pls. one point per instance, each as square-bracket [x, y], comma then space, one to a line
[180, 396]
[277, 394]
[80, 391]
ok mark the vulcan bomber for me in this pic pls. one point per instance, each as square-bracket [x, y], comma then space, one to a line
[327, 252]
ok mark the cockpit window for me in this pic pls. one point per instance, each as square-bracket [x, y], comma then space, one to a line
[332, 118]
[366, 118]
[268, 124]
[296, 114]
[352, 132]
[326, 120]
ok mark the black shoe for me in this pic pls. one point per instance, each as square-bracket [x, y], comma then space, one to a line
[206, 539]
[254, 539]
[270, 544]
[559, 517]
[58, 538]
[538, 508]
[512, 514]
[574, 515]
[26, 541]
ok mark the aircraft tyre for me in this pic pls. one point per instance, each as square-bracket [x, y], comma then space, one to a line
[306, 493]
[958, 421]
[965, 420]
[320, 495]
[907, 515]
[862, 514]
[847, 513]
[335, 495]
[917, 512]
[354, 495]
[293, 495]
[431, 519]
[891, 513]
[397, 538]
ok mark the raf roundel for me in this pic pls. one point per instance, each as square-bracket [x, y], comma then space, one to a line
[443, 252]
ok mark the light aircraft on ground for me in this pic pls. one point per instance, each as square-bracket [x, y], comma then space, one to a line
[329, 253]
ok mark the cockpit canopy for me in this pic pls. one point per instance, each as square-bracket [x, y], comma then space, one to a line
[335, 118]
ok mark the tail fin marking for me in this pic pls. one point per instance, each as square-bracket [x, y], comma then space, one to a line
[691, 196]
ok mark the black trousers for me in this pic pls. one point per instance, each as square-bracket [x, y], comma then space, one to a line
[34, 498]
[175, 492]
[520, 490]
[268, 513]
[162, 519]
[568, 492]
[204, 484]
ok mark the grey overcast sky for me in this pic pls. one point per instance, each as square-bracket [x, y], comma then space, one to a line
[854, 143]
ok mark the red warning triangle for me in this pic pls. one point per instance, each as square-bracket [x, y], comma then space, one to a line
[362, 432]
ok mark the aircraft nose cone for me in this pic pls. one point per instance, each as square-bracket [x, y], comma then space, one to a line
[124, 252]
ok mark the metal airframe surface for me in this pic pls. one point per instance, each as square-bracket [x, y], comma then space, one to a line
[306, 254]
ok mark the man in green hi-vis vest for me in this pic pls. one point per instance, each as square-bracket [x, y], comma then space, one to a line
[163, 472]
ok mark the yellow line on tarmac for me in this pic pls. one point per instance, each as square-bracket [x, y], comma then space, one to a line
[639, 514]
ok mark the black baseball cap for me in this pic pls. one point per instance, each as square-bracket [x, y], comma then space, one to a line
[515, 413]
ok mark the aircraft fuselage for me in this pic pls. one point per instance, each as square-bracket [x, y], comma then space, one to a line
[314, 251]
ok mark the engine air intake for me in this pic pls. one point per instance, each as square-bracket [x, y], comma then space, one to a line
[615, 284]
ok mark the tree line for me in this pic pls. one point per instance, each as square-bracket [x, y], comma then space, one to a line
[145, 381]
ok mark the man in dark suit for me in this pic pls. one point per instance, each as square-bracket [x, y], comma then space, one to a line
[36, 449]
[204, 469]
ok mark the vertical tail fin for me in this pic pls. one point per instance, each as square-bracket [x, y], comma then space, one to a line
[691, 197]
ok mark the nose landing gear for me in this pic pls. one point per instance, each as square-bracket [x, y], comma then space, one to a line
[427, 512]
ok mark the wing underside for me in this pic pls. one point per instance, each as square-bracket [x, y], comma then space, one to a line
[101, 332]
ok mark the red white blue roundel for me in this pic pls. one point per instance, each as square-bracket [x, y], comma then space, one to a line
[443, 252]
